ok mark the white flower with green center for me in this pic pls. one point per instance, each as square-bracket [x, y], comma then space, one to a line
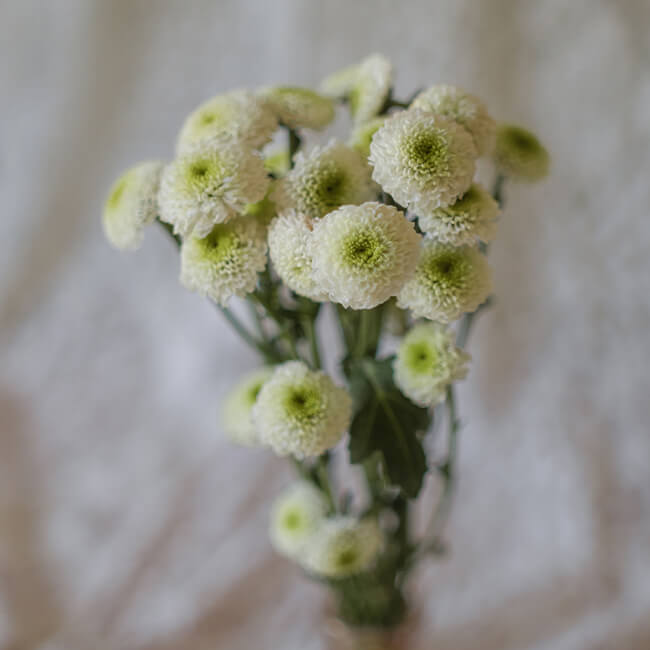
[238, 406]
[289, 248]
[343, 546]
[519, 155]
[462, 107]
[327, 178]
[226, 262]
[472, 217]
[301, 412]
[297, 107]
[363, 254]
[422, 159]
[427, 362]
[447, 282]
[365, 86]
[362, 135]
[237, 116]
[295, 516]
[210, 185]
[131, 205]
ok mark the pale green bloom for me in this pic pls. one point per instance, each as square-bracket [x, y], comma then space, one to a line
[226, 262]
[362, 134]
[519, 154]
[237, 116]
[343, 546]
[427, 362]
[297, 107]
[210, 185]
[327, 178]
[295, 516]
[422, 159]
[365, 86]
[132, 204]
[300, 411]
[277, 162]
[238, 405]
[363, 254]
[462, 107]
[472, 217]
[447, 282]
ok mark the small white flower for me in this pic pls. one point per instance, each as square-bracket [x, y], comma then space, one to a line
[326, 179]
[422, 160]
[226, 262]
[237, 116]
[210, 185]
[363, 254]
[519, 154]
[295, 516]
[300, 411]
[447, 282]
[238, 405]
[362, 135]
[298, 107]
[472, 217]
[427, 362]
[462, 107]
[132, 204]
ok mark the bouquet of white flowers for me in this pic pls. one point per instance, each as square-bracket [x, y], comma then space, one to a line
[389, 230]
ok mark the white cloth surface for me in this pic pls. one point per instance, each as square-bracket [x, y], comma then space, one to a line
[126, 521]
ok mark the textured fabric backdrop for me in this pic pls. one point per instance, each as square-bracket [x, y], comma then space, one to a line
[126, 521]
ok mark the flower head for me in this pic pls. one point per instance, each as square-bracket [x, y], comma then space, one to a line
[326, 179]
[365, 85]
[519, 154]
[295, 516]
[299, 107]
[237, 116]
[363, 254]
[362, 134]
[473, 216]
[238, 405]
[210, 185]
[226, 262]
[300, 411]
[132, 204]
[422, 159]
[447, 282]
[457, 105]
[427, 362]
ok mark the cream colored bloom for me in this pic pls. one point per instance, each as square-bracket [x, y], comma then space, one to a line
[472, 217]
[226, 262]
[447, 282]
[210, 185]
[362, 135]
[363, 254]
[457, 105]
[298, 107]
[423, 160]
[427, 362]
[519, 154]
[300, 411]
[132, 204]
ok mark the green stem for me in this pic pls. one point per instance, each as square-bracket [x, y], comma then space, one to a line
[295, 142]
[309, 325]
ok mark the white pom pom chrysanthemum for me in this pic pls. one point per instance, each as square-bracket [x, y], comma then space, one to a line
[363, 254]
[132, 204]
[343, 546]
[365, 85]
[226, 262]
[427, 362]
[210, 185]
[462, 107]
[327, 178]
[362, 135]
[519, 154]
[295, 516]
[298, 107]
[423, 160]
[238, 405]
[300, 411]
[237, 116]
[472, 217]
[447, 282]
[289, 248]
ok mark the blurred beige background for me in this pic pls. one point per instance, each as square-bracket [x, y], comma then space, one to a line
[126, 521]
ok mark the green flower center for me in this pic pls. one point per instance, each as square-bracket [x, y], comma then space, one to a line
[330, 188]
[253, 392]
[220, 244]
[363, 250]
[347, 557]
[447, 268]
[293, 520]
[426, 153]
[523, 140]
[302, 403]
[421, 357]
